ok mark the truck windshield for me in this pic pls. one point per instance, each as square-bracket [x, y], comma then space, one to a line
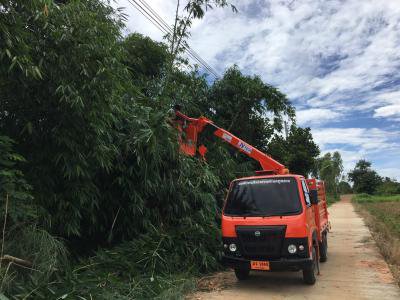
[263, 197]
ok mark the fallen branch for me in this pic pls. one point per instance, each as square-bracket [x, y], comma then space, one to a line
[17, 261]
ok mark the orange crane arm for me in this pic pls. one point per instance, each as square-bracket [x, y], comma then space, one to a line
[190, 128]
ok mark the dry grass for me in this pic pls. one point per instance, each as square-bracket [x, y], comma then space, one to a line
[384, 223]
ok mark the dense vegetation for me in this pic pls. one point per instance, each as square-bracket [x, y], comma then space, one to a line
[367, 180]
[329, 168]
[97, 201]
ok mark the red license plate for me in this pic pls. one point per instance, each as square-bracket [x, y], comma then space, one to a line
[259, 265]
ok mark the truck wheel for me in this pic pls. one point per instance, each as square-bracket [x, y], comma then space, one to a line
[309, 272]
[242, 274]
[323, 248]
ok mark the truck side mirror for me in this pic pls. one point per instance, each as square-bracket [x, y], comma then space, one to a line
[314, 196]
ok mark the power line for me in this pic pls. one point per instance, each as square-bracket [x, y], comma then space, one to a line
[147, 15]
[186, 46]
[157, 21]
[164, 30]
[156, 17]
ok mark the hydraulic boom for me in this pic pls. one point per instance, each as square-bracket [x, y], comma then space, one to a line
[190, 129]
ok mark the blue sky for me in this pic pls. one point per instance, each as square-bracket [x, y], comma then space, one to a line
[338, 61]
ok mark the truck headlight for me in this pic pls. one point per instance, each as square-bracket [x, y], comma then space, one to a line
[292, 249]
[232, 247]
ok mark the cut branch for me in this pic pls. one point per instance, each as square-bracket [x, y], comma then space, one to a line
[16, 260]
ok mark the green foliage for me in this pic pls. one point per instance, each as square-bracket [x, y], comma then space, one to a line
[145, 59]
[345, 188]
[65, 122]
[46, 253]
[298, 151]
[13, 185]
[388, 187]
[329, 168]
[16, 32]
[155, 265]
[332, 198]
[365, 179]
[241, 104]
[368, 198]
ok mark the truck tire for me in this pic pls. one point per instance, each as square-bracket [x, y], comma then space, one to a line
[309, 272]
[242, 274]
[323, 248]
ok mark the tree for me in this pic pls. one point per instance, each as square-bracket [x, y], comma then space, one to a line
[329, 168]
[194, 9]
[345, 187]
[145, 58]
[388, 187]
[64, 117]
[298, 151]
[241, 104]
[15, 192]
[364, 178]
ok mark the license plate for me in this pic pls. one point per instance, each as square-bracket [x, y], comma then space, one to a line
[260, 265]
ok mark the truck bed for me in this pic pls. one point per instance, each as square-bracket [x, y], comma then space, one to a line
[320, 209]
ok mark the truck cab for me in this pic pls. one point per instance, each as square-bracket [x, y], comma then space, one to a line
[275, 223]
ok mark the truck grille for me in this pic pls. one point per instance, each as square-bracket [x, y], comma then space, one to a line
[261, 241]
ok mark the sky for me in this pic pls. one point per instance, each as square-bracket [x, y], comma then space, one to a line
[338, 62]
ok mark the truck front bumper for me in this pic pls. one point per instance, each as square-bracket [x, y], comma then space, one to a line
[282, 264]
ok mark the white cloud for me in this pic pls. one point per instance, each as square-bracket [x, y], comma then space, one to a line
[137, 22]
[390, 172]
[390, 106]
[374, 144]
[308, 117]
[330, 54]
[365, 139]
[388, 111]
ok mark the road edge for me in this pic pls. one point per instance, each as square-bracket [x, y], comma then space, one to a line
[381, 235]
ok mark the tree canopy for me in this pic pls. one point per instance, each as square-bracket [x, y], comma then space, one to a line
[330, 168]
[298, 151]
[364, 178]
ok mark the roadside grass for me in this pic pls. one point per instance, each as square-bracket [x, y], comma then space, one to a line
[152, 266]
[382, 215]
[107, 278]
[330, 199]
[366, 198]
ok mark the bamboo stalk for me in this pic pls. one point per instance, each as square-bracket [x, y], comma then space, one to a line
[4, 229]
[16, 260]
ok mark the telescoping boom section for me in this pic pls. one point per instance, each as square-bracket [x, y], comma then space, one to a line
[190, 129]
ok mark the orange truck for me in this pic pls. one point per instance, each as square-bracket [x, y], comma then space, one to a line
[274, 221]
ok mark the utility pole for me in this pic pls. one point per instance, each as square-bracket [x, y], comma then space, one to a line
[286, 129]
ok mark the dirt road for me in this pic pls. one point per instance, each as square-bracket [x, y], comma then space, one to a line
[354, 270]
